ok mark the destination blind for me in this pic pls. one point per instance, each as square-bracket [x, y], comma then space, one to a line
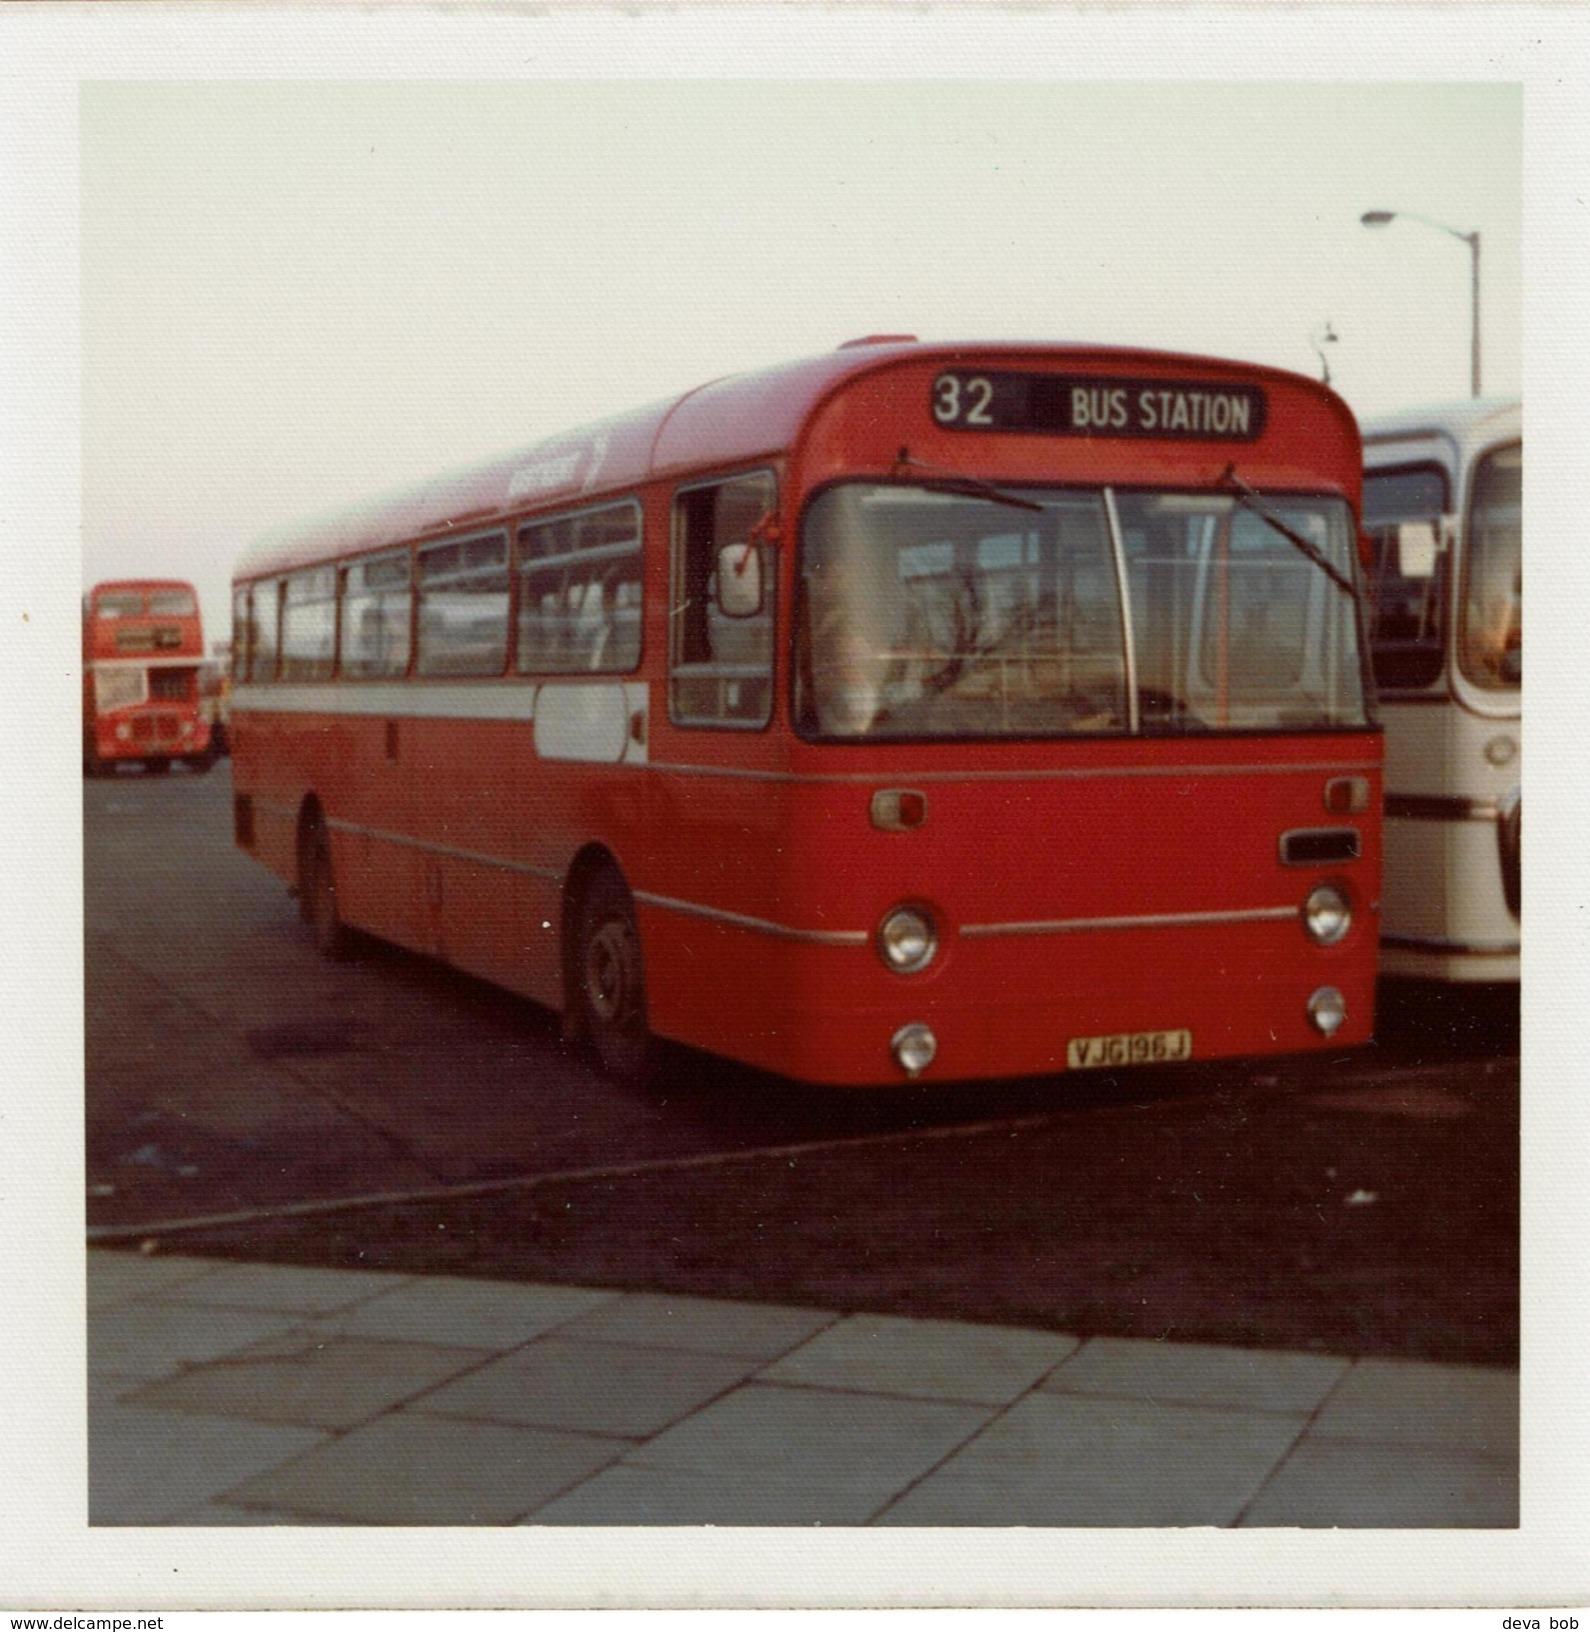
[1091, 405]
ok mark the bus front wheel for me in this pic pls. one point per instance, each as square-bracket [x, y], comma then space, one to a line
[319, 891]
[611, 989]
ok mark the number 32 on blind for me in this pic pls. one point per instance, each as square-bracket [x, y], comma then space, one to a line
[958, 401]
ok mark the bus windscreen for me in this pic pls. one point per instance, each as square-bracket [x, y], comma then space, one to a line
[929, 615]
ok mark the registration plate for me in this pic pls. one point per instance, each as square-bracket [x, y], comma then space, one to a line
[1129, 1048]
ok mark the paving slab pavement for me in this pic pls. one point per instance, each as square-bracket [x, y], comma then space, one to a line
[223, 1393]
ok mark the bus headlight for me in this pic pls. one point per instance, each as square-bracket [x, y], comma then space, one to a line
[907, 940]
[123, 732]
[1327, 914]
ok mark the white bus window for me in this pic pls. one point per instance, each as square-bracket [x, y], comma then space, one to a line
[309, 625]
[242, 636]
[720, 666]
[1236, 628]
[463, 607]
[375, 617]
[1407, 626]
[1491, 639]
[262, 632]
[580, 592]
[172, 603]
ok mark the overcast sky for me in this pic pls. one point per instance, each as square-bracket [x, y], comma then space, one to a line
[296, 295]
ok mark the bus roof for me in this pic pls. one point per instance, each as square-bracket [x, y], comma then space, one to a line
[1467, 424]
[113, 585]
[726, 422]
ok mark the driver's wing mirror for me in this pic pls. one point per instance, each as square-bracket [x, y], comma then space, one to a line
[739, 580]
[1418, 545]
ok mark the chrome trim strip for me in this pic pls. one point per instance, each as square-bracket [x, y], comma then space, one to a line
[1156, 920]
[762, 926]
[1439, 943]
[478, 857]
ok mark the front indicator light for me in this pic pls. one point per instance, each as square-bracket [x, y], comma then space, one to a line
[1327, 1008]
[907, 940]
[913, 1048]
[1327, 914]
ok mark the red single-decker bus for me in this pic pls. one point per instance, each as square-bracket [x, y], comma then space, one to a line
[912, 712]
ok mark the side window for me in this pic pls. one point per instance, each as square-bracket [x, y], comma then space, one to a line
[309, 625]
[1491, 641]
[579, 592]
[463, 606]
[172, 603]
[720, 653]
[241, 635]
[375, 617]
[262, 632]
[1408, 581]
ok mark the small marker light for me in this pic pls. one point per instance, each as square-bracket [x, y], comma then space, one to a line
[1327, 1009]
[914, 1047]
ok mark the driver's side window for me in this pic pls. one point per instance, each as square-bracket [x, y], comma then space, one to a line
[720, 654]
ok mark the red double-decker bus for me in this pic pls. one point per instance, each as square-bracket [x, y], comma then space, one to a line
[142, 650]
[913, 712]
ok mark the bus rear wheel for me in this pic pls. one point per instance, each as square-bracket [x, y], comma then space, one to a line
[611, 981]
[319, 893]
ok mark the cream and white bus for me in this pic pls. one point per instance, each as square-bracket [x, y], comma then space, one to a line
[1442, 501]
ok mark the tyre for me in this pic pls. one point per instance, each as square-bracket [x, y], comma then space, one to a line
[157, 767]
[610, 981]
[199, 764]
[318, 891]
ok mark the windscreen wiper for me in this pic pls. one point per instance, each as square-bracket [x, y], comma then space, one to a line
[938, 480]
[1250, 500]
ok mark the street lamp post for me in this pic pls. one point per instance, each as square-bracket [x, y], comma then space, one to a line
[1384, 218]
[1321, 337]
